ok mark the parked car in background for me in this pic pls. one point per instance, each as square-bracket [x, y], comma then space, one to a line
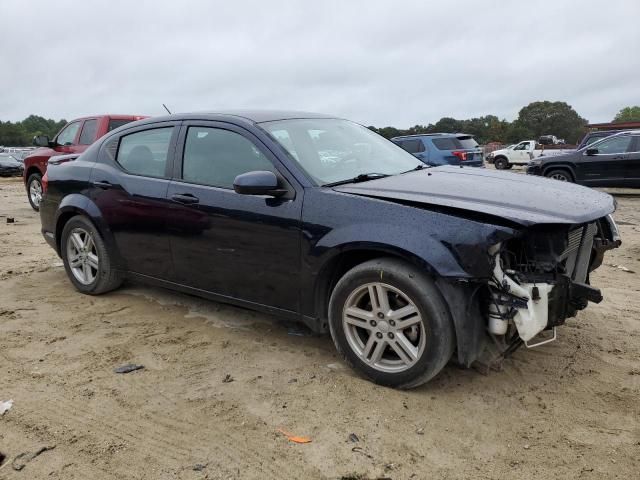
[549, 140]
[75, 137]
[403, 265]
[522, 153]
[613, 161]
[10, 165]
[592, 137]
[443, 148]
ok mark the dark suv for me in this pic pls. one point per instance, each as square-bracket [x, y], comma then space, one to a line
[320, 220]
[443, 148]
[612, 161]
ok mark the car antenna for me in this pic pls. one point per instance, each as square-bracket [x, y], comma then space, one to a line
[165, 107]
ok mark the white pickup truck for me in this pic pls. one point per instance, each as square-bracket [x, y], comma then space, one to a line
[522, 153]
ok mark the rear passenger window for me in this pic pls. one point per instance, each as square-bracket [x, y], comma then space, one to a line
[445, 143]
[89, 130]
[215, 157]
[412, 146]
[145, 153]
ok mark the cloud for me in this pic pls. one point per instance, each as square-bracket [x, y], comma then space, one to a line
[381, 63]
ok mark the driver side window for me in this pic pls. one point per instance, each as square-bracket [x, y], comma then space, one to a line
[68, 135]
[215, 157]
[614, 145]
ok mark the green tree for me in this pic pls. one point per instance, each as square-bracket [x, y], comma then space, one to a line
[628, 114]
[552, 118]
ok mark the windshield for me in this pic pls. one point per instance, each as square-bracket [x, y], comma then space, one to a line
[332, 150]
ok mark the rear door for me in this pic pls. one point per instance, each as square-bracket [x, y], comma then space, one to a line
[604, 162]
[129, 186]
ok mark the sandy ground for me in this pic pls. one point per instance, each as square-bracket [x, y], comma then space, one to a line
[570, 409]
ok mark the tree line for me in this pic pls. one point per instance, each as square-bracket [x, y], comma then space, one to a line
[533, 121]
[20, 134]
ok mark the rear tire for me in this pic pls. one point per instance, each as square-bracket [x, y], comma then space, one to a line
[501, 163]
[34, 190]
[561, 175]
[88, 263]
[389, 322]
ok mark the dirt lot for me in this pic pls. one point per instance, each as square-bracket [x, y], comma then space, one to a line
[570, 409]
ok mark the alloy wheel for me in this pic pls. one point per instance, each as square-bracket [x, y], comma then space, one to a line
[559, 176]
[35, 192]
[383, 326]
[82, 256]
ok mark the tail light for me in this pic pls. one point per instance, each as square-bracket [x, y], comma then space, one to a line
[45, 183]
[461, 155]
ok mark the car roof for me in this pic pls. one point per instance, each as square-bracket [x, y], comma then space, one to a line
[459, 134]
[252, 116]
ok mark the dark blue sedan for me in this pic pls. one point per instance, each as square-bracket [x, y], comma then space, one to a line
[320, 220]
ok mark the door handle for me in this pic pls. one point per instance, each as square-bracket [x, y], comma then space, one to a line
[185, 198]
[102, 184]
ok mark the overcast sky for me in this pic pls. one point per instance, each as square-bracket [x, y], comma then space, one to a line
[377, 62]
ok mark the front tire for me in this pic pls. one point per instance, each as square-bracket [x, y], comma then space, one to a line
[88, 263]
[561, 175]
[34, 190]
[389, 321]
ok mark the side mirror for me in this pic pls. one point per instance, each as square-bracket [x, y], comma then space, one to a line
[592, 151]
[41, 141]
[258, 183]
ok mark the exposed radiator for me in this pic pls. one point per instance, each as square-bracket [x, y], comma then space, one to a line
[578, 252]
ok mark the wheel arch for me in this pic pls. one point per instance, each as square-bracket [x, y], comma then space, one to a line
[30, 171]
[76, 204]
[348, 257]
[562, 166]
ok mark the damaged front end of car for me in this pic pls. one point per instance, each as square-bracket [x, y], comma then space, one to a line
[539, 279]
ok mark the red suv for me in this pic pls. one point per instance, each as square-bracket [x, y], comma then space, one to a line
[75, 137]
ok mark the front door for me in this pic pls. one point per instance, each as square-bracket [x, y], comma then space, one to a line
[632, 164]
[603, 163]
[239, 246]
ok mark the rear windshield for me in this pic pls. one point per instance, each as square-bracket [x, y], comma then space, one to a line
[446, 143]
[468, 142]
[454, 143]
[113, 124]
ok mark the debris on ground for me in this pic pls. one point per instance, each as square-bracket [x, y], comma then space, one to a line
[228, 378]
[21, 460]
[420, 431]
[361, 452]
[294, 438]
[128, 368]
[621, 267]
[198, 467]
[353, 438]
[5, 406]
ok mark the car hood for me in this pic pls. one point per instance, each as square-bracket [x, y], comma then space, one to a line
[523, 199]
